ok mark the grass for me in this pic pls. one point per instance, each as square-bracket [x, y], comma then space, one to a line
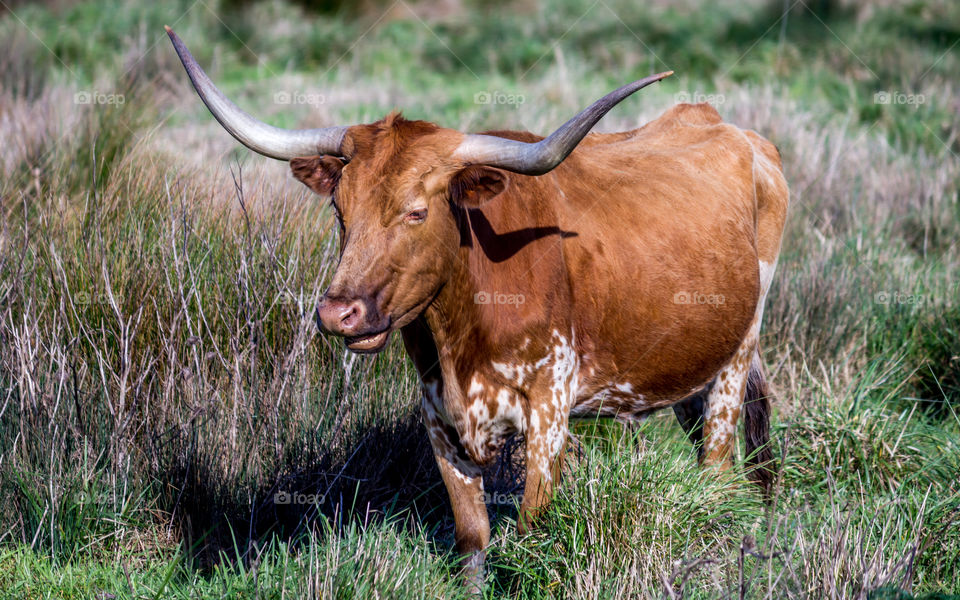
[163, 389]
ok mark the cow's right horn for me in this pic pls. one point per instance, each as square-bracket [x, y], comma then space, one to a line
[537, 158]
[268, 140]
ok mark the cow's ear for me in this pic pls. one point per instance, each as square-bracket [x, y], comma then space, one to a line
[474, 185]
[319, 173]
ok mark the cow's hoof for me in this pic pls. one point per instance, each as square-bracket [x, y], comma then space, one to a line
[473, 574]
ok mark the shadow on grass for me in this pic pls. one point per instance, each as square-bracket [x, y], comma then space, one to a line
[389, 471]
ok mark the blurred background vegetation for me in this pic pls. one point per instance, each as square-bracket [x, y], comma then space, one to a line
[161, 378]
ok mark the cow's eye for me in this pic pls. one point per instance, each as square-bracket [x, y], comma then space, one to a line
[415, 217]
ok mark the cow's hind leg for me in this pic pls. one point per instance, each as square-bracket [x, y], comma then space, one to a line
[740, 386]
[741, 380]
[723, 405]
[690, 412]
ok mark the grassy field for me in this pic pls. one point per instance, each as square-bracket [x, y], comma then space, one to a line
[173, 426]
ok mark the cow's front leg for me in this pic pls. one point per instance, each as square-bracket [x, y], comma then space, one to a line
[546, 438]
[464, 484]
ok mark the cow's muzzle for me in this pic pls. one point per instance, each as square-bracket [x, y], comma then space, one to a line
[351, 320]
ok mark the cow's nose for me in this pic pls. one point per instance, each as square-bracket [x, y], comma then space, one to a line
[340, 317]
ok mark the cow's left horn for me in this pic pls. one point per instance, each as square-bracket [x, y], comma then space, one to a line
[541, 157]
[258, 136]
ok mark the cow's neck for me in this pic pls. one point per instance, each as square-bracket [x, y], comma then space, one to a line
[452, 324]
[470, 327]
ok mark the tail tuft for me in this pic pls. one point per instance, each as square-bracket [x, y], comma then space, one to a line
[756, 425]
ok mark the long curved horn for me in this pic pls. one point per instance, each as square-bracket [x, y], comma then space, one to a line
[268, 140]
[541, 157]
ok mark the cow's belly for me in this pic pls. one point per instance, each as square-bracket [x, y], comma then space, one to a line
[656, 353]
[613, 399]
[659, 317]
[581, 377]
[619, 398]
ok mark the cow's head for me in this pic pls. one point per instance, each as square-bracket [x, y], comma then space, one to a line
[395, 186]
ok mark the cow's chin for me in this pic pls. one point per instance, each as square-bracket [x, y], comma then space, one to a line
[368, 344]
[375, 342]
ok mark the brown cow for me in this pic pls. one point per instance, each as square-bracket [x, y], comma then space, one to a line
[538, 279]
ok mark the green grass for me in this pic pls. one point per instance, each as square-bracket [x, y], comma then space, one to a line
[162, 380]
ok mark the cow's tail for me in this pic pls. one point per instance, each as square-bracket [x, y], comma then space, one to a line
[756, 427]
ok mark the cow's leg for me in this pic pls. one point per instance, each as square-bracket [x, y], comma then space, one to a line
[548, 416]
[725, 398]
[464, 484]
[722, 411]
[690, 413]
[546, 437]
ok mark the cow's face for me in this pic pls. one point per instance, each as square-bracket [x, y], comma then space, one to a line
[396, 197]
[397, 189]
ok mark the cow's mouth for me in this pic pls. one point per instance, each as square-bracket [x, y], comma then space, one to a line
[368, 344]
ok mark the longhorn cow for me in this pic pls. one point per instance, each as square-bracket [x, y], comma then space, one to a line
[534, 280]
